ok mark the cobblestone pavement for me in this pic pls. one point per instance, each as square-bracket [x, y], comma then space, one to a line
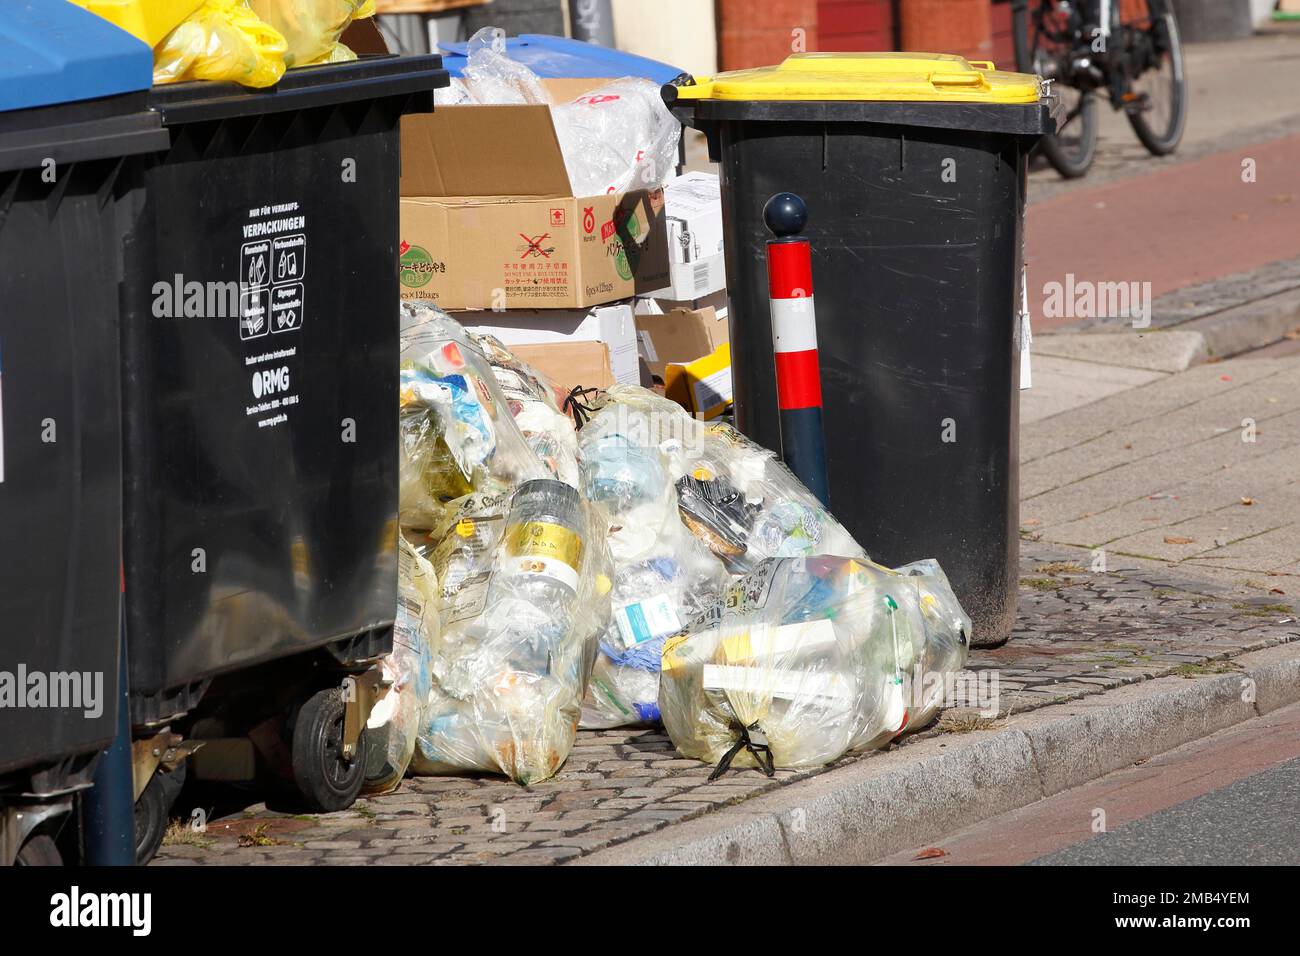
[1078, 633]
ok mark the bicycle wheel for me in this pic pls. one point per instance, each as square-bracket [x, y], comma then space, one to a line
[1043, 40]
[1157, 95]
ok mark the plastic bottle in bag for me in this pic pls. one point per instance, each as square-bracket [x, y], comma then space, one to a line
[512, 662]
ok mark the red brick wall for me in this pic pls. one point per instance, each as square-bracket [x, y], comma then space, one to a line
[762, 32]
[855, 25]
[1004, 50]
[948, 26]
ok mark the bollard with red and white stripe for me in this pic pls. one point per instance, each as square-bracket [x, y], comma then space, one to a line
[794, 340]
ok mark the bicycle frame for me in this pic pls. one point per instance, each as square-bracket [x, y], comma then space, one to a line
[1110, 64]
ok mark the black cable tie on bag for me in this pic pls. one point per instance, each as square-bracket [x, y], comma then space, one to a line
[578, 404]
[752, 739]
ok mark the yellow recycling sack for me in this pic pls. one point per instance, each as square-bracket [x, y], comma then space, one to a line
[312, 27]
[222, 40]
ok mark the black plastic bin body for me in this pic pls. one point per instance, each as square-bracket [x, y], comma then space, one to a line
[916, 279]
[260, 462]
[62, 178]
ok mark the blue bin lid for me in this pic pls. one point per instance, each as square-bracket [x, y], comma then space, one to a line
[554, 57]
[54, 52]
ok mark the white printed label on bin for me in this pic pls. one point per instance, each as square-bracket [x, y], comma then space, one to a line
[646, 620]
[272, 264]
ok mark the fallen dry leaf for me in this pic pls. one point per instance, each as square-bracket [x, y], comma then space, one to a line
[930, 853]
[1177, 539]
[1247, 501]
[1128, 444]
[1276, 591]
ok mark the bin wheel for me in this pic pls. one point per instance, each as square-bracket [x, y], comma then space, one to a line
[327, 780]
[39, 850]
[153, 811]
[150, 822]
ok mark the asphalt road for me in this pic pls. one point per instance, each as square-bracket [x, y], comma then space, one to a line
[1254, 821]
[1230, 799]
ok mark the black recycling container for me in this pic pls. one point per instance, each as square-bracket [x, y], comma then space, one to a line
[72, 106]
[260, 375]
[913, 169]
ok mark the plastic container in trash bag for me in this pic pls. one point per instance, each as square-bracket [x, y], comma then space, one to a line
[395, 721]
[458, 435]
[525, 594]
[663, 576]
[807, 659]
[72, 105]
[747, 506]
[913, 168]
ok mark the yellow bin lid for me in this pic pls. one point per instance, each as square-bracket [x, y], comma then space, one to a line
[148, 20]
[877, 77]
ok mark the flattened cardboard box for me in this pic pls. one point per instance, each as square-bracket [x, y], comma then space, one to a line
[489, 220]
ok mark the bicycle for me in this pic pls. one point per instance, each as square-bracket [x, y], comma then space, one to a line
[1128, 50]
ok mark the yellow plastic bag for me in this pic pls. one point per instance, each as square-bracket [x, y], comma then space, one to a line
[222, 40]
[312, 27]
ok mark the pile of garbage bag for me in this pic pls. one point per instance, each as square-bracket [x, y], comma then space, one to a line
[616, 137]
[647, 567]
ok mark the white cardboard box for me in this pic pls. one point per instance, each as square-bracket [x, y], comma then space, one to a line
[612, 324]
[693, 215]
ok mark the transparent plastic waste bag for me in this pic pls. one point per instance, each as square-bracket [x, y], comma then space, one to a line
[806, 659]
[491, 76]
[747, 506]
[617, 137]
[395, 720]
[525, 594]
[535, 403]
[457, 433]
[663, 576]
[223, 40]
[312, 28]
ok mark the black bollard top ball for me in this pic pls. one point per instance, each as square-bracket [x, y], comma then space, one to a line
[785, 215]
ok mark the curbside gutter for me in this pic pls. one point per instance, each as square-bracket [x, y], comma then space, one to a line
[938, 784]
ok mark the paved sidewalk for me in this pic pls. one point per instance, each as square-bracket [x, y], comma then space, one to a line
[1078, 635]
[1200, 470]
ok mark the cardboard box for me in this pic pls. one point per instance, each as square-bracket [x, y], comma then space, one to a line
[614, 325]
[679, 336]
[702, 387]
[489, 219]
[570, 365]
[693, 218]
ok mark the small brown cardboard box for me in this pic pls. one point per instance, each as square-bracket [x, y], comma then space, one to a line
[679, 336]
[489, 220]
